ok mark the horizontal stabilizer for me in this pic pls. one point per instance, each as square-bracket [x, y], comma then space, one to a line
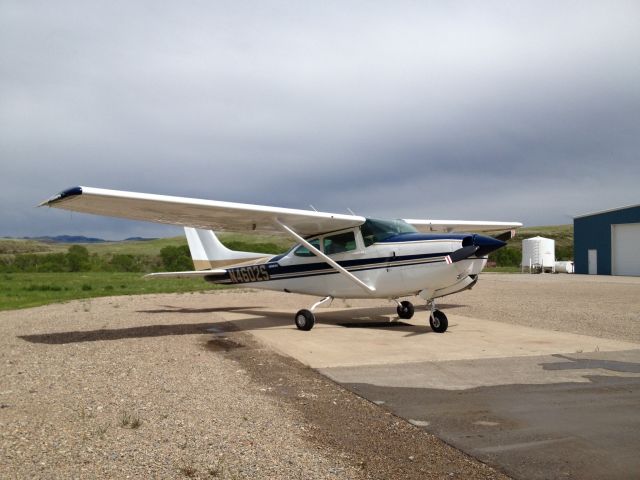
[189, 274]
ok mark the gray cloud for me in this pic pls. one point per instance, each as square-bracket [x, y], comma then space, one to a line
[491, 111]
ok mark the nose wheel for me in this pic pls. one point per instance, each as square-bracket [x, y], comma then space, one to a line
[438, 321]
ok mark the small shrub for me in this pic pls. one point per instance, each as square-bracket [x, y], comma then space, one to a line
[86, 287]
[188, 470]
[125, 419]
[129, 420]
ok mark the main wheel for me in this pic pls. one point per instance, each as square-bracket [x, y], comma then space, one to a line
[305, 320]
[438, 321]
[405, 310]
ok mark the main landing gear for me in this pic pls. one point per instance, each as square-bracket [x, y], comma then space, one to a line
[405, 309]
[305, 319]
[437, 319]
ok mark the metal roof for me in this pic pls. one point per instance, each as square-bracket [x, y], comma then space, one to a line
[607, 211]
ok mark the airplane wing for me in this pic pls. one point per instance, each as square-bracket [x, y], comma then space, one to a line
[462, 225]
[192, 212]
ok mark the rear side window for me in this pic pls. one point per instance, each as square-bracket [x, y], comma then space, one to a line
[303, 251]
[341, 242]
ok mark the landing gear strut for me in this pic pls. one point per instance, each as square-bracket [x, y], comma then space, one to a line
[437, 319]
[305, 319]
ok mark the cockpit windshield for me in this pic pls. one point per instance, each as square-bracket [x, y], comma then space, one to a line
[379, 230]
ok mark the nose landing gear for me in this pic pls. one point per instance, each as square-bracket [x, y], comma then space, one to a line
[437, 319]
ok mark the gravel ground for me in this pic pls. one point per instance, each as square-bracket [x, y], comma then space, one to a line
[123, 387]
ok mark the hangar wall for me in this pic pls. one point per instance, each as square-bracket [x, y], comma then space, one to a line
[594, 232]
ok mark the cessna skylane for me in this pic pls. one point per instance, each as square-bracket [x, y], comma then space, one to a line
[336, 256]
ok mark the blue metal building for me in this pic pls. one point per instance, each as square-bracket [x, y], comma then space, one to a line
[608, 242]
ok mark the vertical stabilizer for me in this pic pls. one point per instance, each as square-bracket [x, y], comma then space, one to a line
[208, 252]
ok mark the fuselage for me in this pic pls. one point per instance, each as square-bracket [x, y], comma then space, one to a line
[391, 257]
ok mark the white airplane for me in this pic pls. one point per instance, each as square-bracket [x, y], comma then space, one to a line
[337, 256]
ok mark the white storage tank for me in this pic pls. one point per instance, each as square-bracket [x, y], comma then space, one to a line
[538, 254]
[564, 267]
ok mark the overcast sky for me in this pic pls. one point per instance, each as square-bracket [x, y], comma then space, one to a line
[524, 111]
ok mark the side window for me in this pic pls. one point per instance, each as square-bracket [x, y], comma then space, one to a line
[303, 251]
[341, 242]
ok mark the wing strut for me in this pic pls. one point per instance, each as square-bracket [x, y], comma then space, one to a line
[324, 257]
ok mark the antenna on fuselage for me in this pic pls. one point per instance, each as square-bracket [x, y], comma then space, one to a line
[351, 212]
[314, 208]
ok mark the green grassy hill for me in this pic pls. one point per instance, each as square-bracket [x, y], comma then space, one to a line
[10, 246]
[562, 234]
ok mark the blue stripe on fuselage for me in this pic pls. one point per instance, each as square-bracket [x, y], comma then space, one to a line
[421, 237]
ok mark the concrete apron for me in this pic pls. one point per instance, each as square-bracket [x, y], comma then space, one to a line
[330, 345]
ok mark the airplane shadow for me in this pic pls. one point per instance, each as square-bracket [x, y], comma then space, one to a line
[365, 318]
[172, 309]
[61, 338]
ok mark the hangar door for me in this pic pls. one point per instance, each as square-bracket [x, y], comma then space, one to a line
[625, 249]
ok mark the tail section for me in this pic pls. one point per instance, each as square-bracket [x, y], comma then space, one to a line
[208, 252]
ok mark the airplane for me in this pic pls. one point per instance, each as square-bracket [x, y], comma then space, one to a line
[336, 255]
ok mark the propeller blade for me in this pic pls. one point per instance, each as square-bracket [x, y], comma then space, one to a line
[462, 253]
[505, 236]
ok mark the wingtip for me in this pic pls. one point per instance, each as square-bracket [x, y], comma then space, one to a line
[69, 192]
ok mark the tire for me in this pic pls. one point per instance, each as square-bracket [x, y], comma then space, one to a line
[438, 321]
[405, 310]
[305, 320]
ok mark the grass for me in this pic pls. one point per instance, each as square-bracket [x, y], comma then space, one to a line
[23, 290]
[188, 470]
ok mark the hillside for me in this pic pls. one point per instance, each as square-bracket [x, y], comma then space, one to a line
[562, 234]
[13, 246]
